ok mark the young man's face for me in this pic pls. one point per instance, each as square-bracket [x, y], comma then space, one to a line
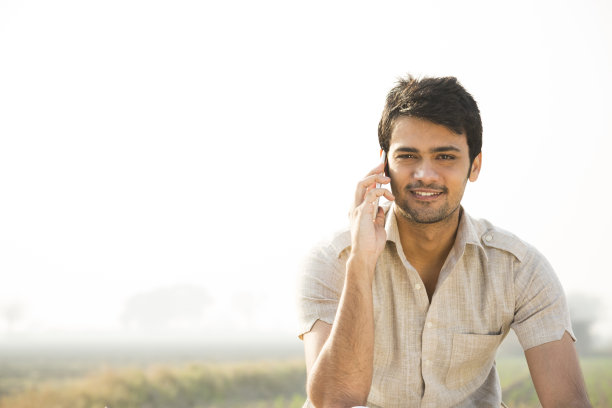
[428, 166]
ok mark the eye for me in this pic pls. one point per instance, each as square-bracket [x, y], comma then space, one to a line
[446, 157]
[406, 156]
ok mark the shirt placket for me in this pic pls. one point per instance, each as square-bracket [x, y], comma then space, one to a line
[425, 320]
[430, 363]
[428, 332]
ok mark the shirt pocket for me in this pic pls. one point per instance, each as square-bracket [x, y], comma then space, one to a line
[472, 357]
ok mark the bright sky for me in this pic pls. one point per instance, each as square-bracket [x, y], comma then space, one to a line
[146, 144]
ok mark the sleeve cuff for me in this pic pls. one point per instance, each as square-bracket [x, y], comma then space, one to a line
[307, 326]
[531, 338]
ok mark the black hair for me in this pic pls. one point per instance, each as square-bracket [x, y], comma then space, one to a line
[443, 101]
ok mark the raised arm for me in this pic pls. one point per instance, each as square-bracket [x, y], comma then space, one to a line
[339, 357]
[556, 374]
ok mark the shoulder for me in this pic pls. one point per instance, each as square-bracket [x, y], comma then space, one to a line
[498, 241]
[325, 262]
[332, 246]
[508, 252]
[321, 278]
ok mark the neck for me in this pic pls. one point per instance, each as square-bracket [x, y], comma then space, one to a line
[426, 246]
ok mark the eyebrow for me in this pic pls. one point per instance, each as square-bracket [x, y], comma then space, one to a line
[449, 148]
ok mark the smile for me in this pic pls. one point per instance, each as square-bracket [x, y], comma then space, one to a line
[426, 195]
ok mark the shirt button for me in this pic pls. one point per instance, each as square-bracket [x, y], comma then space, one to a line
[488, 237]
[417, 286]
[429, 325]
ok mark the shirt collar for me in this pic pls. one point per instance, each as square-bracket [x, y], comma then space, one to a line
[391, 224]
[467, 232]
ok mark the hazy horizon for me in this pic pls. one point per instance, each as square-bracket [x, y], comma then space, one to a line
[146, 146]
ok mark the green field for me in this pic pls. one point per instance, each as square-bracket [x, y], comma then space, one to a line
[138, 383]
[518, 390]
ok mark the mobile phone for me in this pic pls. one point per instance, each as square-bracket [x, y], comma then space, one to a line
[383, 158]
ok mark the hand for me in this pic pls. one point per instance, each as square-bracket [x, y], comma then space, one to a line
[368, 233]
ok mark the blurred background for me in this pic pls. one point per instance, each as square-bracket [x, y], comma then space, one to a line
[164, 165]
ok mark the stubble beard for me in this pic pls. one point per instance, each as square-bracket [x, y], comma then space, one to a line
[425, 215]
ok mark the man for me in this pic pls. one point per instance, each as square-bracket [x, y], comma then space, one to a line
[408, 306]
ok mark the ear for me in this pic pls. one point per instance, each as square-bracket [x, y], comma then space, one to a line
[475, 170]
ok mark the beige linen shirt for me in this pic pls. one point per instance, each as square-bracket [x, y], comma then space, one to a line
[442, 354]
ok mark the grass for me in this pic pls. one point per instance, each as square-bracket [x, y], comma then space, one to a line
[275, 384]
[249, 385]
[518, 390]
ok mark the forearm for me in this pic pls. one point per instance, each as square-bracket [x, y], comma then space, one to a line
[342, 374]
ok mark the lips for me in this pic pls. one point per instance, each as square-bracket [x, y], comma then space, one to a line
[426, 195]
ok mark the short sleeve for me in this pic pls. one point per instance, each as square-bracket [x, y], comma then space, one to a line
[541, 313]
[320, 283]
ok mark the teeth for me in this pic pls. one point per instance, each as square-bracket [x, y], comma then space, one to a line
[421, 193]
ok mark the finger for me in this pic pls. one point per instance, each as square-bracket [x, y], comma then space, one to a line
[370, 202]
[389, 196]
[374, 194]
[378, 169]
[368, 183]
[380, 217]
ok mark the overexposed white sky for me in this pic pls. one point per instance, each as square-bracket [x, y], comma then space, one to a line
[146, 144]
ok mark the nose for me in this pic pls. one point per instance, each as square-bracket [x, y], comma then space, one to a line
[425, 172]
